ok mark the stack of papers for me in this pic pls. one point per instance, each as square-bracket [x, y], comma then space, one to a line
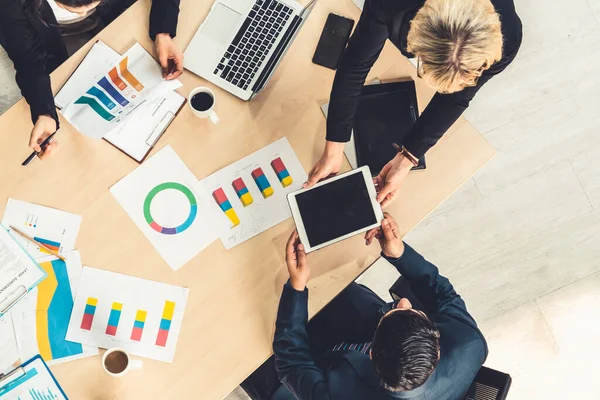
[38, 323]
[124, 99]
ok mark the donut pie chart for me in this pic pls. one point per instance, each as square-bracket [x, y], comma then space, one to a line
[170, 230]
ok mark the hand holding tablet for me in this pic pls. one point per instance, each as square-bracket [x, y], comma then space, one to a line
[336, 209]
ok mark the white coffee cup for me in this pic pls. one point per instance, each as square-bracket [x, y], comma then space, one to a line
[117, 362]
[207, 110]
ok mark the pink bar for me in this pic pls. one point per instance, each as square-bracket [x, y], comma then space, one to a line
[161, 340]
[136, 334]
[239, 184]
[220, 196]
[278, 164]
[257, 172]
[111, 330]
[86, 322]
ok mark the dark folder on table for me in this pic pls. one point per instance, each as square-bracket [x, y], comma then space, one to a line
[384, 115]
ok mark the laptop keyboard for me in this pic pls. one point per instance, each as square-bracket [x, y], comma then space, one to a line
[253, 41]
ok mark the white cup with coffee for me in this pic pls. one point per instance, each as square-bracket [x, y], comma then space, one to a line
[202, 103]
[117, 362]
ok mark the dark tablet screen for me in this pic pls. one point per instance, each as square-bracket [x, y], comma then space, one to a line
[336, 209]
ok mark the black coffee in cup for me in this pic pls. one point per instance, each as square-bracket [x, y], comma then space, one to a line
[202, 101]
[116, 362]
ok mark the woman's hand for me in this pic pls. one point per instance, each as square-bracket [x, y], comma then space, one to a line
[44, 127]
[168, 53]
[295, 258]
[391, 177]
[329, 163]
[389, 237]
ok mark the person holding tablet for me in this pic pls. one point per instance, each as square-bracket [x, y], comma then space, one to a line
[459, 46]
[34, 34]
[359, 347]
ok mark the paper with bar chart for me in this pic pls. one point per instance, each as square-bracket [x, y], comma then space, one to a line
[41, 319]
[252, 192]
[113, 95]
[167, 203]
[32, 381]
[55, 228]
[115, 310]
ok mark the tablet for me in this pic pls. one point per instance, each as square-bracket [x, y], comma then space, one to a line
[336, 209]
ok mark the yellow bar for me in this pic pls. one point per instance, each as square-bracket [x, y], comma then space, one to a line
[92, 301]
[117, 306]
[140, 315]
[287, 181]
[46, 290]
[232, 217]
[129, 76]
[246, 199]
[268, 192]
[168, 310]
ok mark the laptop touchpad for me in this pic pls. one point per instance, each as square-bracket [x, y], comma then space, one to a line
[222, 24]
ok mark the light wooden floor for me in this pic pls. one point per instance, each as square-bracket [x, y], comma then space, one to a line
[520, 241]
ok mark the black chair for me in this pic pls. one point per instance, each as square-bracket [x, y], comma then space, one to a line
[488, 384]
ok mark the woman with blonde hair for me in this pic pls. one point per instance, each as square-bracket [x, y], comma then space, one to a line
[459, 45]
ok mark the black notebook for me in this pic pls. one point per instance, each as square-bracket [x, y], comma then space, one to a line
[384, 115]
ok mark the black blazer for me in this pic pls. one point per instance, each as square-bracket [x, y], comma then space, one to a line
[390, 19]
[33, 42]
[350, 375]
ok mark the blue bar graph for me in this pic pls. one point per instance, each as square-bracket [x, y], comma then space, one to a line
[100, 95]
[37, 395]
[114, 93]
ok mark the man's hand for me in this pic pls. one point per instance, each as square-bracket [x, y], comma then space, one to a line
[391, 177]
[44, 127]
[389, 237]
[169, 56]
[297, 265]
[329, 163]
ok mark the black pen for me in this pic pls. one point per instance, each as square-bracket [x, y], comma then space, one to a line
[42, 146]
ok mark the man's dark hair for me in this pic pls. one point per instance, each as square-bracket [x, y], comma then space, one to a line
[405, 350]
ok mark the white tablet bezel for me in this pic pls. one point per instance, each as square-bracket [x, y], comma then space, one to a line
[366, 173]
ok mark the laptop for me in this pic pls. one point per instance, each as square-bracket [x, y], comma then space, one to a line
[241, 42]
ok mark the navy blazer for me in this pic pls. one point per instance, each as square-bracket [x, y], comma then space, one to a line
[350, 375]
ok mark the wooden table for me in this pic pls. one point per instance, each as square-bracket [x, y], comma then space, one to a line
[230, 315]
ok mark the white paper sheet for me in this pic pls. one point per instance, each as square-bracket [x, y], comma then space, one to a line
[9, 353]
[41, 319]
[263, 213]
[18, 272]
[171, 208]
[55, 228]
[102, 105]
[137, 135]
[144, 301]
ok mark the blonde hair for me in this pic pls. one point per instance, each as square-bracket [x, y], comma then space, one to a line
[456, 40]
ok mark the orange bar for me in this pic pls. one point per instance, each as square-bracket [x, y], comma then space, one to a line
[129, 76]
[114, 76]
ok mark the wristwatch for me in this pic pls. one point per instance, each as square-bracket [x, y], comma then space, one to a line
[402, 150]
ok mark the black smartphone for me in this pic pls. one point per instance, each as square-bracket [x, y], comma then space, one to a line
[333, 41]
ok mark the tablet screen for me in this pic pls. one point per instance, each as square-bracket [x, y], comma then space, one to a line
[336, 209]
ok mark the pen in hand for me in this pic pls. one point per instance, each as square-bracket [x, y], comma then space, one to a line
[42, 146]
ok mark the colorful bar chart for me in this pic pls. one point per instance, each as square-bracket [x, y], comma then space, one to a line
[242, 192]
[223, 202]
[100, 95]
[93, 103]
[281, 172]
[129, 76]
[114, 93]
[113, 319]
[52, 245]
[165, 323]
[262, 182]
[88, 313]
[138, 325]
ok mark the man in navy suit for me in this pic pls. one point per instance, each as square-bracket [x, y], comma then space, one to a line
[359, 347]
